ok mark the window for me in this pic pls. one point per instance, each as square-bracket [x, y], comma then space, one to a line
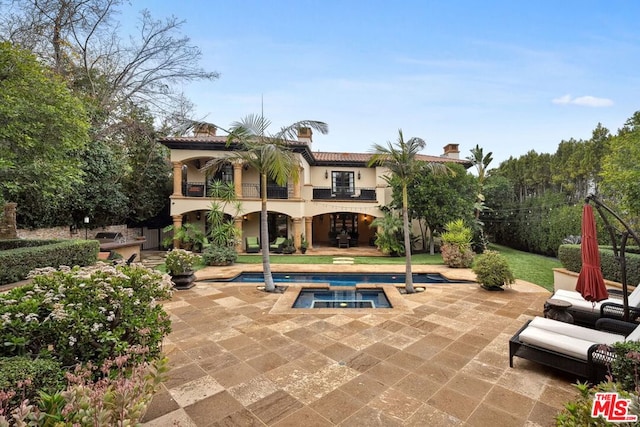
[224, 173]
[342, 183]
[277, 225]
[344, 222]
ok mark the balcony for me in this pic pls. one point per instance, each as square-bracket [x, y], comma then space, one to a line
[344, 194]
[252, 191]
[249, 191]
[194, 189]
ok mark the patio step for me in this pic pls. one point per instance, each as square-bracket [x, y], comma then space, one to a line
[343, 260]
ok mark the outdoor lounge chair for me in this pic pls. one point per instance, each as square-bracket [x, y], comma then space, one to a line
[571, 348]
[587, 313]
[252, 245]
[277, 245]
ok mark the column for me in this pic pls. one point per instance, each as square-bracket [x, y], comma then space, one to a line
[177, 224]
[308, 231]
[177, 179]
[297, 231]
[237, 223]
[298, 184]
[237, 179]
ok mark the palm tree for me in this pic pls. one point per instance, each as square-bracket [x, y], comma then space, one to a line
[271, 156]
[481, 163]
[400, 159]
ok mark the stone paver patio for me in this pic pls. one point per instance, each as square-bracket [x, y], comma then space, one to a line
[440, 361]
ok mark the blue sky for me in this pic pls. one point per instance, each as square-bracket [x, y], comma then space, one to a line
[510, 76]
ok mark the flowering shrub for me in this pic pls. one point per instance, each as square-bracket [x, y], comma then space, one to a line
[179, 261]
[77, 315]
[120, 399]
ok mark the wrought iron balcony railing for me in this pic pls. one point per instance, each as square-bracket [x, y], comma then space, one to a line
[353, 194]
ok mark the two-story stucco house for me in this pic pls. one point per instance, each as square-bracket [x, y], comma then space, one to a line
[337, 193]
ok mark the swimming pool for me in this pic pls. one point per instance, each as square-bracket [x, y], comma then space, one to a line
[343, 279]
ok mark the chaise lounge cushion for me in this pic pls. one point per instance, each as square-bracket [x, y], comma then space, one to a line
[566, 338]
[579, 303]
[570, 346]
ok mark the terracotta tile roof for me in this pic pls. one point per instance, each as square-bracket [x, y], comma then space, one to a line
[324, 156]
[318, 156]
[190, 139]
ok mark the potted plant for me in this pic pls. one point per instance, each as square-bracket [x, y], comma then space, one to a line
[304, 244]
[456, 244]
[288, 247]
[492, 271]
[179, 264]
[190, 236]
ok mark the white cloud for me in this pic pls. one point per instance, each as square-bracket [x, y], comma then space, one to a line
[584, 101]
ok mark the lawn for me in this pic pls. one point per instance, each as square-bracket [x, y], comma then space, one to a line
[533, 268]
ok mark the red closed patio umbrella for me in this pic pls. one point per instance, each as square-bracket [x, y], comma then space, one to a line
[590, 281]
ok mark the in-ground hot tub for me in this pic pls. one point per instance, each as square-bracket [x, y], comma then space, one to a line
[342, 298]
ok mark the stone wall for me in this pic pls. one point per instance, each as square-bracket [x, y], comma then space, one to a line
[66, 232]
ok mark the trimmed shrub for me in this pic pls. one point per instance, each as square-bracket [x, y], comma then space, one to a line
[17, 263]
[31, 377]
[219, 255]
[571, 259]
[492, 270]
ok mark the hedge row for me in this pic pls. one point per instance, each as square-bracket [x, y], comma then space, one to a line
[8, 244]
[571, 259]
[17, 263]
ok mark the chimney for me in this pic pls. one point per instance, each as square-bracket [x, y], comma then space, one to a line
[204, 129]
[304, 135]
[451, 151]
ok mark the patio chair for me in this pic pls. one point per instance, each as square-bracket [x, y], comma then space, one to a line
[252, 245]
[277, 245]
[343, 240]
[574, 349]
[587, 313]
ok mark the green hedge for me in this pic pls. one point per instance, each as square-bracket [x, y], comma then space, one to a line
[8, 244]
[43, 375]
[17, 263]
[571, 259]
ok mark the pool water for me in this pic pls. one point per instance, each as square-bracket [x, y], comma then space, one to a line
[352, 298]
[342, 279]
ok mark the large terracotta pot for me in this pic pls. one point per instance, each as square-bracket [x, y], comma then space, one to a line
[183, 280]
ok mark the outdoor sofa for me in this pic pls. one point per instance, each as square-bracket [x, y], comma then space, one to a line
[587, 313]
[574, 349]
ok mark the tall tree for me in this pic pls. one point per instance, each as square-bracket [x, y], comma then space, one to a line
[620, 172]
[113, 72]
[270, 155]
[437, 199]
[401, 161]
[147, 179]
[82, 41]
[481, 162]
[43, 128]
